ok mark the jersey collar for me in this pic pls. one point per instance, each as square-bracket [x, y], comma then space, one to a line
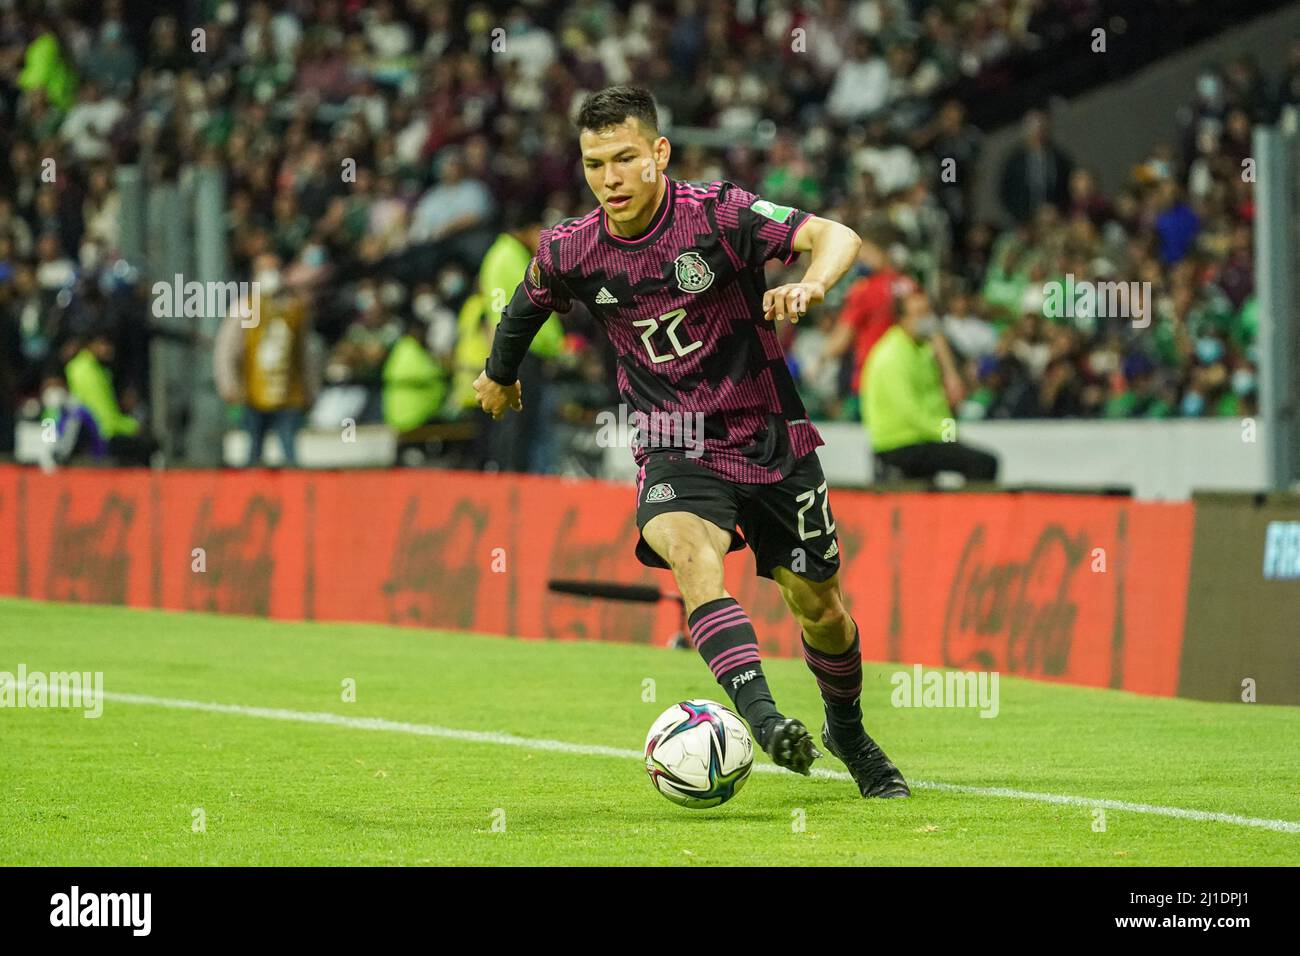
[663, 216]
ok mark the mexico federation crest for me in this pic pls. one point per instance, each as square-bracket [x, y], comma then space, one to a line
[693, 273]
[660, 492]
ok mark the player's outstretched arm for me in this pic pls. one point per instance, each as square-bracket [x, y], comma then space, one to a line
[497, 386]
[834, 247]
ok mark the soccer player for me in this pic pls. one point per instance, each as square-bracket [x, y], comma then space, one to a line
[674, 270]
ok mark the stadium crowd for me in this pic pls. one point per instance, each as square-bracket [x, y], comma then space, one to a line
[454, 121]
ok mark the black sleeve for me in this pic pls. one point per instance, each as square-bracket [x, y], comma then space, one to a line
[521, 320]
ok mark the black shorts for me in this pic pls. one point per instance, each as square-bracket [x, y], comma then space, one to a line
[787, 524]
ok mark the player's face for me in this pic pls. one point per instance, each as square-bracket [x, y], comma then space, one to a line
[624, 168]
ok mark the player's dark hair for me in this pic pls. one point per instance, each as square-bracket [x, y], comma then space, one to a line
[613, 104]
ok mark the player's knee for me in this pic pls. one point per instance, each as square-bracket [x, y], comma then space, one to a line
[692, 557]
[823, 617]
[697, 569]
[683, 541]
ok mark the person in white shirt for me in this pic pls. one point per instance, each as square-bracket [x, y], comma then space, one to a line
[455, 203]
[88, 124]
[861, 84]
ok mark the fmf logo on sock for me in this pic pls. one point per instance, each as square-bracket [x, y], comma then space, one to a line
[660, 492]
[744, 678]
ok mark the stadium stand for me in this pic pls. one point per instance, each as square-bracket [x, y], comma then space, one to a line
[444, 135]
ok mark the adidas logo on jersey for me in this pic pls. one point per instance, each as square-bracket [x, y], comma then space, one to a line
[833, 550]
[605, 297]
[660, 492]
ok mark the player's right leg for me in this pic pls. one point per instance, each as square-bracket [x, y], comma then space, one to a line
[692, 544]
[833, 652]
[795, 544]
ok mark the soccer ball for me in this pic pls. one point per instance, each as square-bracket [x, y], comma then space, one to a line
[698, 754]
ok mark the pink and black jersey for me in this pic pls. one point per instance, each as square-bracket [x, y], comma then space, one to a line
[683, 306]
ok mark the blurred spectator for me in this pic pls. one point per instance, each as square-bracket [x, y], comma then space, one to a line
[861, 85]
[1085, 200]
[90, 382]
[906, 412]
[955, 144]
[1176, 223]
[971, 336]
[353, 372]
[46, 68]
[1035, 173]
[111, 64]
[414, 384]
[88, 124]
[456, 203]
[818, 379]
[267, 367]
[869, 307]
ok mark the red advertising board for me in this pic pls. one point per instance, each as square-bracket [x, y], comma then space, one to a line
[1079, 589]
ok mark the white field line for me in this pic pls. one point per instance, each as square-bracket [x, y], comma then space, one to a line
[591, 750]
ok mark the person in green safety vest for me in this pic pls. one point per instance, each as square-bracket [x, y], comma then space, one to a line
[415, 385]
[46, 68]
[91, 383]
[904, 405]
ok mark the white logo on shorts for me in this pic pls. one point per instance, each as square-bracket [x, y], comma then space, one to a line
[833, 550]
[660, 492]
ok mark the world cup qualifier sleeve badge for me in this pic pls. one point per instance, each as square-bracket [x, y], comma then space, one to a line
[693, 273]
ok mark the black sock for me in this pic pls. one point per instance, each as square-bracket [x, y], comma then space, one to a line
[721, 632]
[839, 677]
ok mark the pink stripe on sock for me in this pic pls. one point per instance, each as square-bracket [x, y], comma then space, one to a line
[737, 649]
[714, 615]
[736, 664]
[810, 651]
[839, 693]
[701, 634]
[700, 639]
[732, 656]
[846, 667]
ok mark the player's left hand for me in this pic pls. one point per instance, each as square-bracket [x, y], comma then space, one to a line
[496, 399]
[792, 300]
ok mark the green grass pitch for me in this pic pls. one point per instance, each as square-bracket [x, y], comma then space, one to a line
[278, 787]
